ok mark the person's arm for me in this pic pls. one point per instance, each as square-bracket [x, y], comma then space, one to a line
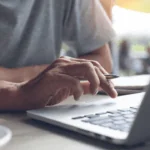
[101, 55]
[20, 74]
[9, 97]
[88, 30]
[60, 80]
[107, 5]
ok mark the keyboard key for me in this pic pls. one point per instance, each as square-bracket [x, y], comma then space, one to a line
[125, 127]
[108, 125]
[87, 121]
[94, 118]
[124, 109]
[99, 122]
[112, 112]
[115, 127]
[115, 115]
[103, 116]
[102, 113]
[121, 127]
[126, 112]
[133, 111]
[129, 120]
[78, 117]
[118, 118]
[119, 122]
[129, 116]
[134, 108]
[95, 122]
[90, 116]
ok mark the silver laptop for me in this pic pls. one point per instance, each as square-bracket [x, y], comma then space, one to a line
[5, 135]
[123, 121]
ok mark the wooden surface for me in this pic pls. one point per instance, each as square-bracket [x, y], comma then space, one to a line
[29, 134]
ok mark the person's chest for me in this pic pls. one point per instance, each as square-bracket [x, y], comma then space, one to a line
[30, 30]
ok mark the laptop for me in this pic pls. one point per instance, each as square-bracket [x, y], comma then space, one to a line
[5, 135]
[123, 121]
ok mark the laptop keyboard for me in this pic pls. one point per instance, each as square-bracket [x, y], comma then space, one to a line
[117, 120]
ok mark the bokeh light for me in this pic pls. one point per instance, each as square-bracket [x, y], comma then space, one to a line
[138, 5]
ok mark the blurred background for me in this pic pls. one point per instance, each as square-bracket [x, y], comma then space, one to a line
[131, 48]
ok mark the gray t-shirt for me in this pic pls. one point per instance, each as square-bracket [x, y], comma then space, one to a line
[32, 31]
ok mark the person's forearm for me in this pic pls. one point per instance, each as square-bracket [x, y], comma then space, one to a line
[103, 56]
[20, 74]
[106, 64]
[9, 99]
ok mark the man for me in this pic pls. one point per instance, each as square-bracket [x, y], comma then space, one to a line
[31, 33]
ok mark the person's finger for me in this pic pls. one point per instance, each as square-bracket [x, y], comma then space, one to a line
[85, 71]
[62, 59]
[86, 87]
[61, 95]
[106, 85]
[66, 81]
[95, 63]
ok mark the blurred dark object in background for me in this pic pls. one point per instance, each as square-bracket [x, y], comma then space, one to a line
[146, 62]
[124, 57]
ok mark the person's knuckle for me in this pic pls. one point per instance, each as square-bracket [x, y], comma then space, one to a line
[58, 60]
[65, 57]
[88, 65]
[100, 66]
[95, 62]
[62, 57]
[96, 68]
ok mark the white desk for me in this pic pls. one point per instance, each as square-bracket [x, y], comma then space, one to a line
[34, 135]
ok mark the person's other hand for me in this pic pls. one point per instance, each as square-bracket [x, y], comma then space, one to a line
[64, 79]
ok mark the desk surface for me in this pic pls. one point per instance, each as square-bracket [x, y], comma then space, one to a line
[29, 134]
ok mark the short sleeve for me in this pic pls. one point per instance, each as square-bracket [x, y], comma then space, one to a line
[86, 26]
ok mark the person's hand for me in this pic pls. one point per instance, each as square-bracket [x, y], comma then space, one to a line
[62, 79]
